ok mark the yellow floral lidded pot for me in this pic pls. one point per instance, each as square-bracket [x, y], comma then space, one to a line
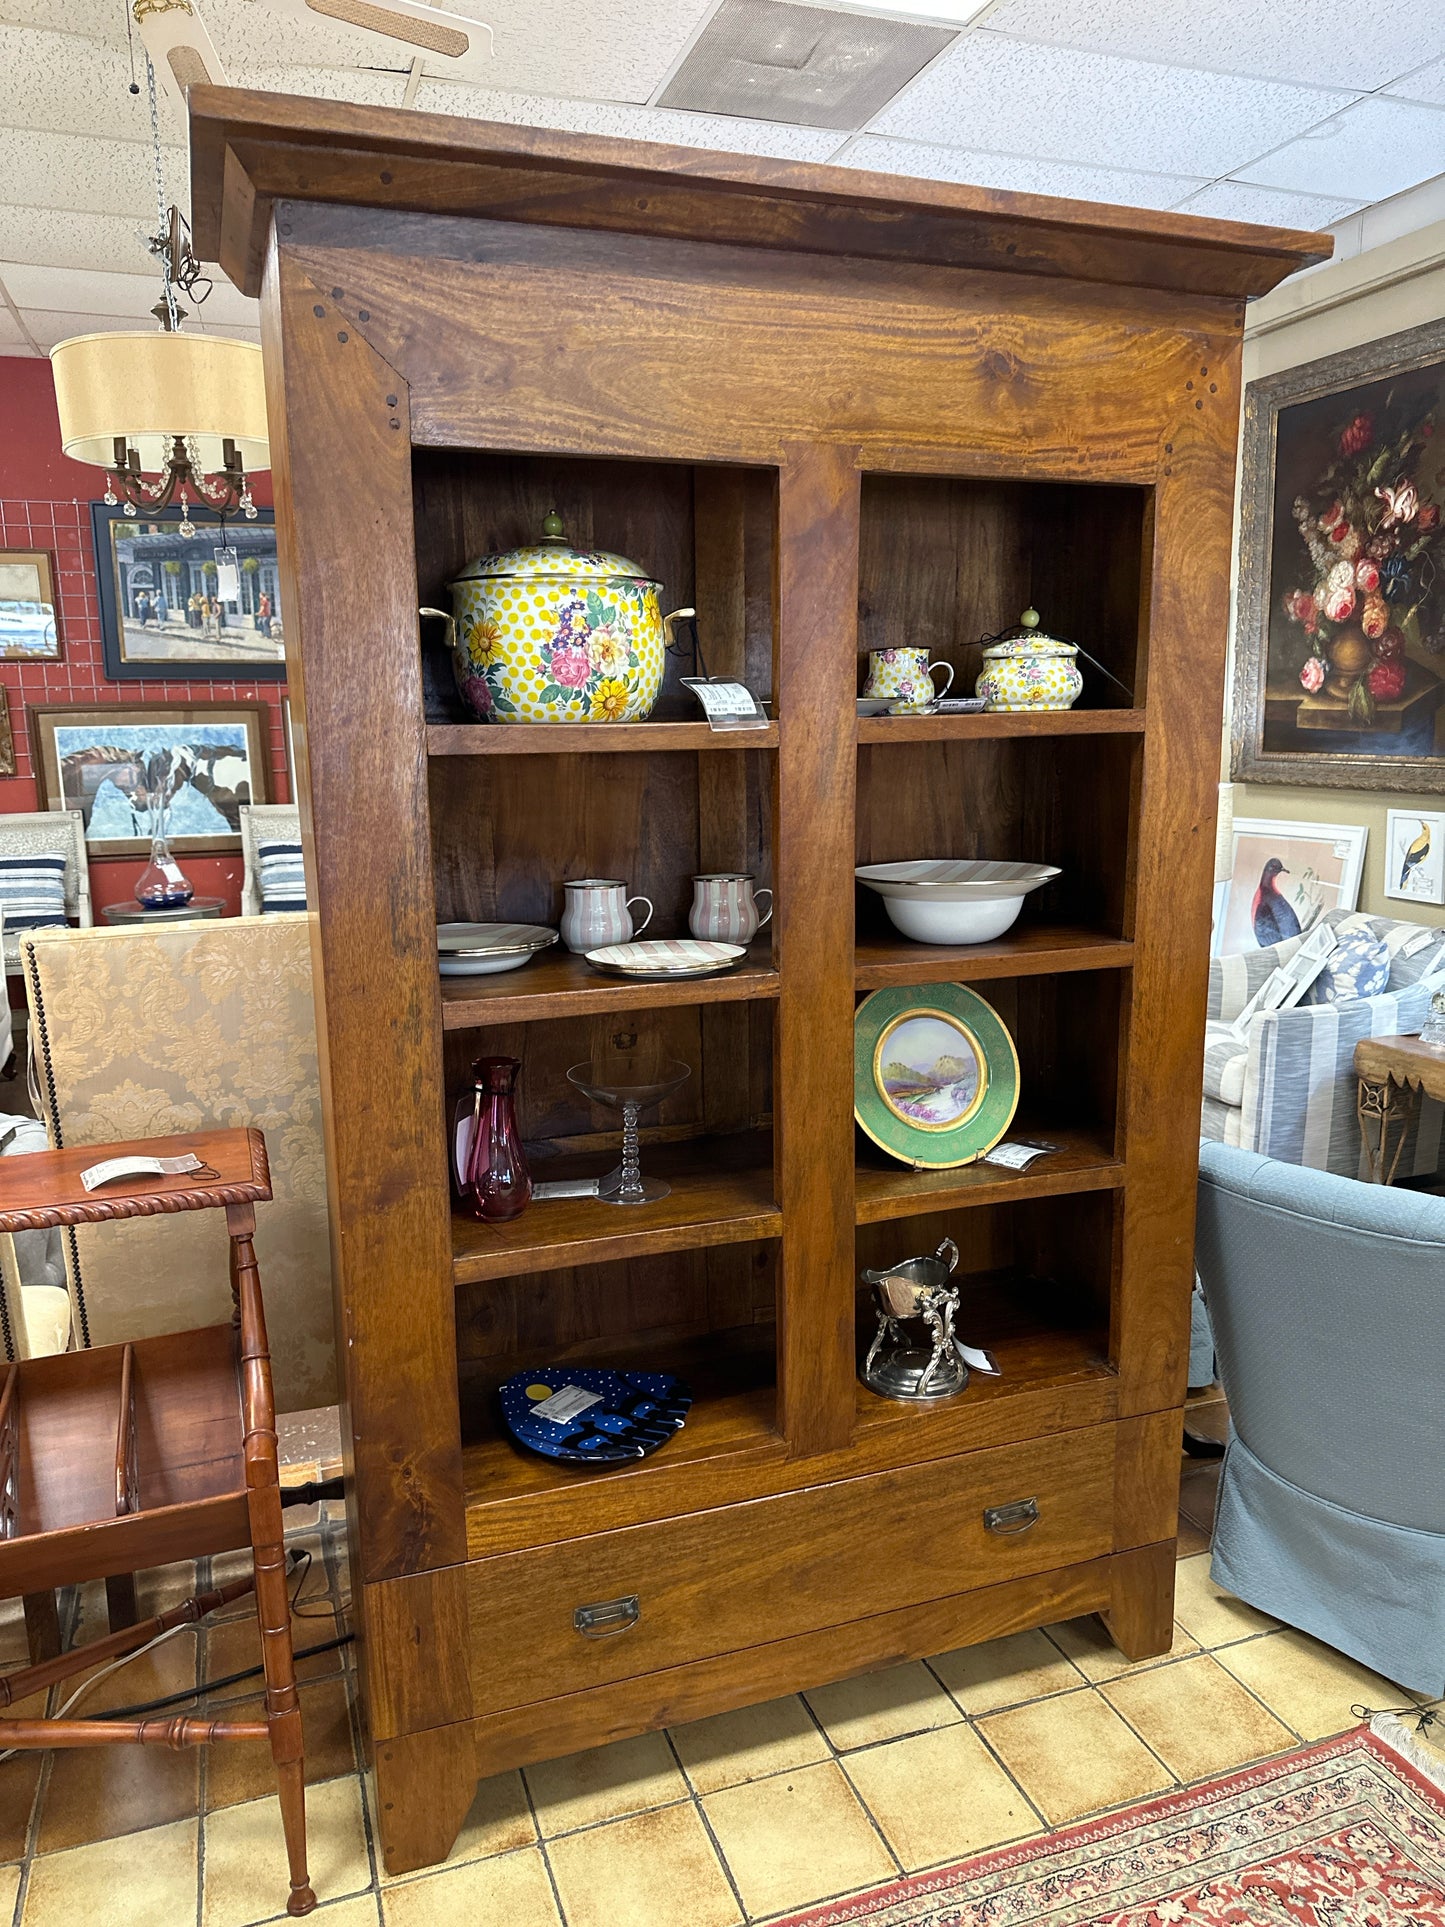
[1025, 669]
[547, 633]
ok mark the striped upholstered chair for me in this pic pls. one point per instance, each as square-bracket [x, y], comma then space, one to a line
[1288, 1089]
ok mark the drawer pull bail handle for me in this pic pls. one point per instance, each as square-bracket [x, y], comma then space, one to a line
[1010, 1520]
[608, 1618]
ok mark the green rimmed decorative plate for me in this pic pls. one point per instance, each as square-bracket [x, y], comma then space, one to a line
[935, 1073]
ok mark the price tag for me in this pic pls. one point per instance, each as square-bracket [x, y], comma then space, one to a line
[1017, 1156]
[562, 1407]
[727, 705]
[110, 1169]
[228, 575]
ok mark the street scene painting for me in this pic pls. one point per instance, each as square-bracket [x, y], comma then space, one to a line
[175, 605]
[113, 765]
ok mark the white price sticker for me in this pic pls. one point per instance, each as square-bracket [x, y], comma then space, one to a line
[112, 1168]
[1016, 1157]
[562, 1407]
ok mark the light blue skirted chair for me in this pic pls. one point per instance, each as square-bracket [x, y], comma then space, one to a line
[1327, 1300]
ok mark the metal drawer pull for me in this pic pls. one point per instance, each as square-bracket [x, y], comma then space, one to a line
[1010, 1520]
[608, 1617]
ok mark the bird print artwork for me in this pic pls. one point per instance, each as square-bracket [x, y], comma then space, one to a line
[1271, 916]
[1417, 854]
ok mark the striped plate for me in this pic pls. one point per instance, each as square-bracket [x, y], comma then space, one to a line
[476, 939]
[667, 957]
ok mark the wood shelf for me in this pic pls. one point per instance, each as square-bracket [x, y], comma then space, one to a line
[982, 726]
[1083, 1162]
[722, 1193]
[1031, 951]
[570, 739]
[559, 984]
[730, 1374]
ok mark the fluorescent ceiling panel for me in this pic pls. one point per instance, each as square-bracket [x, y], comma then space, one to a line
[771, 60]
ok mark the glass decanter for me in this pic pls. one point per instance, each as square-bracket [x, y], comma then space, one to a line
[163, 884]
[497, 1184]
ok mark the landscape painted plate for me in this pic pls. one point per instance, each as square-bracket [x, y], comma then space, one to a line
[935, 1073]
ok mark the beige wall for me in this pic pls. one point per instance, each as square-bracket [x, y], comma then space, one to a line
[1392, 287]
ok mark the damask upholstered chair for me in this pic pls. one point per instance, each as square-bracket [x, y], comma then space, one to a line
[219, 1032]
[262, 824]
[41, 833]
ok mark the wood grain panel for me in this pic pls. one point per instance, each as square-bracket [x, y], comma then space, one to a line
[341, 460]
[415, 1651]
[817, 597]
[601, 1714]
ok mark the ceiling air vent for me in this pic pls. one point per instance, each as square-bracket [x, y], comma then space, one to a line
[770, 60]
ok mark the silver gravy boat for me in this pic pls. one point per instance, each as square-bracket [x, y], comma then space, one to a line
[919, 1288]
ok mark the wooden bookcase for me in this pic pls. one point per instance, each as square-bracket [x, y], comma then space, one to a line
[832, 410]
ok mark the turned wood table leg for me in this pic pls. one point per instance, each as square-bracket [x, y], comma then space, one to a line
[273, 1608]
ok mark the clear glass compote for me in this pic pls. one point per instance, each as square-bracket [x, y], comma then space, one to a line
[623, 1084]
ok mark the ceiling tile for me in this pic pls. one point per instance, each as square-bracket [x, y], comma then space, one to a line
[1266, 206]
[626, 122]
[618, 49]
[249, 34]
[50, 236]
[225, 305]
[97, 19]
[61, 81]
[84, 289]
[51, 325]
[11, 335]
[1008, 96]
[1428, 83]
[87, 176]
[366, 87]
[1023, 176]
[1375, 148]
[1355, 44]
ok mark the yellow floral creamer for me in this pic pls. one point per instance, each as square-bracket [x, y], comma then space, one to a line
[551, 634]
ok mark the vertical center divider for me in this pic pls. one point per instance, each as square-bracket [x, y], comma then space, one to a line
[817, 604]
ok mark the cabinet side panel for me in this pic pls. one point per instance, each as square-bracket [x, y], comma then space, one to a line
[341, 459]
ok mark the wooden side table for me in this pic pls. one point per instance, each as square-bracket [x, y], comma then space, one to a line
[192, 912]
[1393, 1071]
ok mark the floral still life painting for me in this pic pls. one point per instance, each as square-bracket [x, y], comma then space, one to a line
[1341, 633]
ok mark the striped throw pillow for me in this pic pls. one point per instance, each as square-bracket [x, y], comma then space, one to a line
[32, 892]
[283, 877]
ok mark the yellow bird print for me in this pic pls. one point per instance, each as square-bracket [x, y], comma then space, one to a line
[1416, 854]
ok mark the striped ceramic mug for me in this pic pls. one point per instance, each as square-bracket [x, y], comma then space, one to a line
[725, 909]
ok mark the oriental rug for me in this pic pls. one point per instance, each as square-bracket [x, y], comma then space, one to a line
[1346, 1833]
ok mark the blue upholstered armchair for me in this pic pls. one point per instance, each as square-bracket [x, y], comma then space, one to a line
[1327, 1299]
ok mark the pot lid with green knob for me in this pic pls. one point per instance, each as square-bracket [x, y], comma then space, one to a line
[552, 559]
[1026, 639]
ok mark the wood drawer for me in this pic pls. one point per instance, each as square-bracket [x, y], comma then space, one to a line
[716, 1582]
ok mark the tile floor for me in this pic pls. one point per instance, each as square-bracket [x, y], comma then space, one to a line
[748, 1815]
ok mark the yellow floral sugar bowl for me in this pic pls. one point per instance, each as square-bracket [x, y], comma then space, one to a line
[1025, 669]
[547, 633]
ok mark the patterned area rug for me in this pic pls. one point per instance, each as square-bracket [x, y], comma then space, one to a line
[1343, 1834]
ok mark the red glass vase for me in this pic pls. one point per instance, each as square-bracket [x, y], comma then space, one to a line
[498, 1184]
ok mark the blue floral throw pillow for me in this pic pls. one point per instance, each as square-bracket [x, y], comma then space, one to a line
[1358, 967]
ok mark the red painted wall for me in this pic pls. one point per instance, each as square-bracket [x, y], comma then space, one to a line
[45, 504]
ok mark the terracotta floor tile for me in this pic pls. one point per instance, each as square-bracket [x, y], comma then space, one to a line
[362, 1911]
[882, 1706]
[1309, 1685]
[99, 1793]
[246, 1877]
[1006, 1672]
[511, 1890]
[604, 1783]
[1087, 1643]
[1207, 1611]
[731, 1748]
[245, 1771]
[631, 1873]
[1197, 1717]
[940, 1796]
[498, 1821]
[148, 1676]
[1192, 1538]
[1073, 1755]
[9, 1888]
[234, 1643]
[85, 1885]
[14, 1648]
[1198, 1491]
[796, 1838]
[18, 1780]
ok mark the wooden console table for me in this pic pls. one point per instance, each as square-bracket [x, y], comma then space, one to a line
[1393, 1071]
